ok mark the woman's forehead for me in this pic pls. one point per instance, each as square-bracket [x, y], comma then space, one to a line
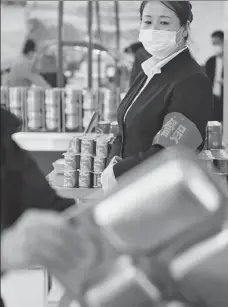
[156, 8]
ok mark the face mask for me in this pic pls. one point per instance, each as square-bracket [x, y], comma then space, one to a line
[158, 43]
[218, 50]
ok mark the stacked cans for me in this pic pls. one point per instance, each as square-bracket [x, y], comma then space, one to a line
[53, 99]
[4, 97]
[214, 135]
[109, 106]
[85, 160]
[90, 105]
[17, 101]
[35, 109]
[73, 110]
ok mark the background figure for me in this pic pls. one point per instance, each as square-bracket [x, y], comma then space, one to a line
[215, 69]
[140, 55]
[22, 73]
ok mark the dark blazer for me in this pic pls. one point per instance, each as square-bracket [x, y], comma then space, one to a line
[180, 94]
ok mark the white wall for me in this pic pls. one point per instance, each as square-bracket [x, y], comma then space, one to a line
[208, 17]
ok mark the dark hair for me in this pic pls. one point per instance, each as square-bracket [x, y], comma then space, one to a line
[183, 10]
[133, 48]
[219, 34]
[29, 46]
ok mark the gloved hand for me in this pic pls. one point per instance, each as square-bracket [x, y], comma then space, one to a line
[108, 180]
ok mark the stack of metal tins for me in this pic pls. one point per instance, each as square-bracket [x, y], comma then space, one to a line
[90, 105]
[108, 105]
[4, 97]
[85, 160]
[214, 135]
[17, 101]
[73, 110]
[53, 98]
[35, 109]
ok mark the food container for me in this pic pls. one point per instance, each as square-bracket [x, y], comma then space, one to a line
[70, 179]
[75, 145]
[17, 97]
[86, 163]
[114, 128]
[4, 96]
[90, 99]
[99, 164]
[102, 145]
[214, 135]
[220, 160]
[35, 123]
[52, 123]
[72, 122]
[85, 179]
[72, 109]
[35, 99]
[87, 146]
[72, 161]
[103, 127]
[97, 180]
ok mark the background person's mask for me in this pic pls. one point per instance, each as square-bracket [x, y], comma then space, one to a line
[159, 44]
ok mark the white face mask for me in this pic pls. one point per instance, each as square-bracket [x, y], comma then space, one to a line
[158, 43]
[218, 50]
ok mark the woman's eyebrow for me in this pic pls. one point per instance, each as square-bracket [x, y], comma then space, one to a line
[161, 16]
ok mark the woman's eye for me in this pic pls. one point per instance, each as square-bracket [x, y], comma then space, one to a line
[148, 22]
[164, 23]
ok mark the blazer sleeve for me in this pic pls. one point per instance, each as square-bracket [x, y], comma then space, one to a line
[185, 120]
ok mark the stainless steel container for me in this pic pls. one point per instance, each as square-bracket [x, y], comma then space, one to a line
[4, 96]
[53, 96]
[17, 97]
[214, 135]
[35, 99]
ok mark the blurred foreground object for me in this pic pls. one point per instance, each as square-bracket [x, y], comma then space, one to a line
[161, 237]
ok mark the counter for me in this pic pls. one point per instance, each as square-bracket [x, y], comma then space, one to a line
[44, 147]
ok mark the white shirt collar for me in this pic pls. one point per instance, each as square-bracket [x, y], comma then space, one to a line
[150, 68]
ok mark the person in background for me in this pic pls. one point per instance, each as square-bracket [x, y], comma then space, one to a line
[33, 230]
[170, 101]
[215, 69]
[138, 55]
[22, 73]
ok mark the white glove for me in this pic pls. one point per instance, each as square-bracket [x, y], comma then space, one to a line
[108, 180]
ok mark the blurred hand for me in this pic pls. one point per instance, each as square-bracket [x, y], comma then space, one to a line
[108, 180]
[41, 238]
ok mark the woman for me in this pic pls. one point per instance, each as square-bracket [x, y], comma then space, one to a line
[170, 101]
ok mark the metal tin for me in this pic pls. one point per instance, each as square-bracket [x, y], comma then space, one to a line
[72, 161]
[85, 179]
[34, 124]
[114, 128]
[102, 144]
[214, 135]
[52, 113]
[72, 109]
[87, 146]
[34, 115]
[96, 180]
[17, 97]
[52, 123]
[86, 163]
[72, 122]
[103, 127]
[4, 96]
[53, 96]
[220, 159]
[35, 100]
[99, 164]
[75, 145]
[73, 95]
[89, 99]
[70, 179]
